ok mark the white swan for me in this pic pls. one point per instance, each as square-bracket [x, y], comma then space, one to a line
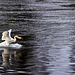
[6, 35]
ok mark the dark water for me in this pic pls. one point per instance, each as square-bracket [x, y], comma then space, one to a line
[48, 31]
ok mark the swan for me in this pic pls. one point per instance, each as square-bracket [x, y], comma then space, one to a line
[8, 40]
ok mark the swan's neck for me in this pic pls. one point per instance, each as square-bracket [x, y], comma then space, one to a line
[15, 38]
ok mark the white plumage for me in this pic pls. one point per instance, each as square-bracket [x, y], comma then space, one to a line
[8, 40]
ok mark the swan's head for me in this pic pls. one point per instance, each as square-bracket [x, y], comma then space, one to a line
[18, 37]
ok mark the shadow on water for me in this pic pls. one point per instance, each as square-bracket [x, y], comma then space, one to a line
[72, 60]
[71, 5]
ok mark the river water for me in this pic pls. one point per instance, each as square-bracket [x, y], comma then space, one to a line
[48, 31]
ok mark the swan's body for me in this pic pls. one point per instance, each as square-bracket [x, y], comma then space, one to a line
[6, 35]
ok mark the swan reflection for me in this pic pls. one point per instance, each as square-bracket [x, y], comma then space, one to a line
[6, 56]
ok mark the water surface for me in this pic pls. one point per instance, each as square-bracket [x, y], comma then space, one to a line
[48, 31]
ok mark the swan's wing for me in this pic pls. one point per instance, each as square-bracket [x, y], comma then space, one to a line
[11, 39]
[10, 33]
[5, 35]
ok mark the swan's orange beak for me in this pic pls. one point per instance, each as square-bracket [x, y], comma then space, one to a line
[20, 38]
